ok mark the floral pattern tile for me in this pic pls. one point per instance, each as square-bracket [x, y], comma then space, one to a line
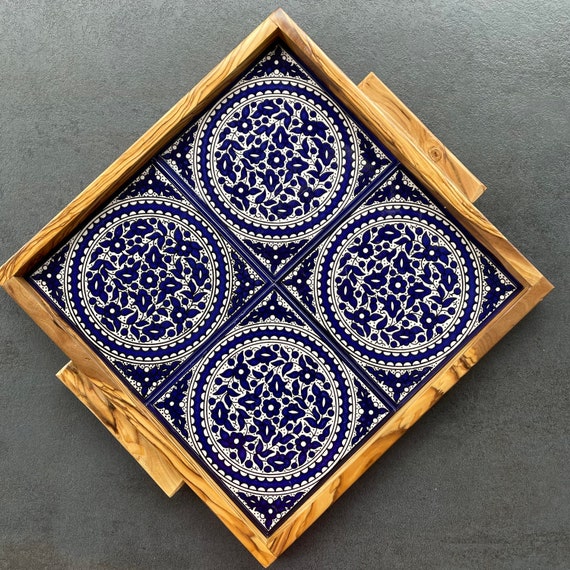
[400, 285]
[271, 410]
[147, 281]
[276, 158]
[274, 286]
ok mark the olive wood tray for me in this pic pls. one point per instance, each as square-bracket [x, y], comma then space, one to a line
[276, 281]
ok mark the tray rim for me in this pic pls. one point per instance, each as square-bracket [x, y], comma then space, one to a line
[419, 135]
[87, 365]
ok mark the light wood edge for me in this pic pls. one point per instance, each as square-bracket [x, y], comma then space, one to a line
[135, 413]
[122, 169]
[122, 406]
[433, 149]
[266, 549]
[407, 416]
[278, 25]
[118, 422]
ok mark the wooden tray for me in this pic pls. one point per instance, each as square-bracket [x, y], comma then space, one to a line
[272, 285]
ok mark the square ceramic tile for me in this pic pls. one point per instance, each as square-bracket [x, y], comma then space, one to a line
[276, 158]
[271, 409]
[400, 285]
[146, 281]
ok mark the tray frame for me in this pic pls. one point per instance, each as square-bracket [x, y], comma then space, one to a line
[133, 424]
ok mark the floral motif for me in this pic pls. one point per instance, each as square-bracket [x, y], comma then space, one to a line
[398, 280]
[398, 284]
[371, 412]
[276, 158]
[149, 280]
[270, 509]
[278, 62]
[498, 287]
[149, 276]
[145, 377]
[246, 283]
[273, 309]
[273, 408]
[301, 280]
[146, 280]
[399, 383]
[49, 277]
[275, 255]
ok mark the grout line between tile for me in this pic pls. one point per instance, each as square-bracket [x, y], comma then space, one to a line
[180, 185]
[340, 351]
[272, 282]
[336, 222]
[209, 343]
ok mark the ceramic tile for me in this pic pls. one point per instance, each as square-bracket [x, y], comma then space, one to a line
[147, 280]
[271, 410]
[400, 285]
[276, 158]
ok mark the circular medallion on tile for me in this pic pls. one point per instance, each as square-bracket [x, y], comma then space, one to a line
[271, 409]
[275, 158]
[148, 279]
[399, 284]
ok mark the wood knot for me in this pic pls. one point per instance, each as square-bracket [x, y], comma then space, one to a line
[435, 153]
[468, 361]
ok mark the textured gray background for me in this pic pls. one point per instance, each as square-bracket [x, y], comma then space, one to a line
[482, 480]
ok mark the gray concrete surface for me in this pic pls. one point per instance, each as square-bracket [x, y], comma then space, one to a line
[482, 480]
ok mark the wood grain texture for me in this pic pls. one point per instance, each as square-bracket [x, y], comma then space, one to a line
[125, 415]
[406, 417]
[150, 429]
[433, 149]
[442, 188]
[349, 473]
[118, 422]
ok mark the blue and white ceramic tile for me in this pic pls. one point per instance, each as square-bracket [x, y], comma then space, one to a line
[273, 286]
[276, 158]
[147, 281]
[272, 410]
[400, 285]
